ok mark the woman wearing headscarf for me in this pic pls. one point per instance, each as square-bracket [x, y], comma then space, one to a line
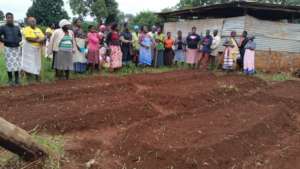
[32, 49]
[249, 57]
[113, 42]
[146, 43]
[79, 59]
[230, 61]
[64, 45]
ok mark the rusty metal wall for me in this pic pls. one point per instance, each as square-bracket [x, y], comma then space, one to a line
[186, 26]
[274, 36]
[233, 24]
[270, 35]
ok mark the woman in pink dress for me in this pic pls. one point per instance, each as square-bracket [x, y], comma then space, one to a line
[93, 42]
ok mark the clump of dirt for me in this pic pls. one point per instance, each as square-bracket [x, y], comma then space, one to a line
[176, 120]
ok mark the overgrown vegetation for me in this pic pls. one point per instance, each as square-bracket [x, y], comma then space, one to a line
[54, 143]
[276, 77]
[47, 74]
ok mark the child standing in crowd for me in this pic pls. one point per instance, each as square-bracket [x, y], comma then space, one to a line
[249, 57]
[93, 43]
[169, 53]
[180, 46]
[105, 59]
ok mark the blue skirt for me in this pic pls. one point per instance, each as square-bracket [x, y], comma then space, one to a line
[145, 56]
[80, 67]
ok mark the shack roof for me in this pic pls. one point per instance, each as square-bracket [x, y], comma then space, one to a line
[237, 8]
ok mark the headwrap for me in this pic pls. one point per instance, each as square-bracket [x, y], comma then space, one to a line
[64, 22]
[102, 28]
[136, 27]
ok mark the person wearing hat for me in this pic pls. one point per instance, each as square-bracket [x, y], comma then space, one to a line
[249, 57]
[32, 49]
[63, 45]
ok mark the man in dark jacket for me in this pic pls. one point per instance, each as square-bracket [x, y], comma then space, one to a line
[11, 36]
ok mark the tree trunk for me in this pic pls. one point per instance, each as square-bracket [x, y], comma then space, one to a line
[20, 142]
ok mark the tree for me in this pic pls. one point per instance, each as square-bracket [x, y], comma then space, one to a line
[1, 15]
[192, 3]
[47, 11]
[147, 18]
[281, 2]
[103, 10]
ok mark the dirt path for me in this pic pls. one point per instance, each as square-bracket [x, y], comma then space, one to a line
[178, 120]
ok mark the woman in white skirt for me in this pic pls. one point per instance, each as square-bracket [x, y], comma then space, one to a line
[32, 49]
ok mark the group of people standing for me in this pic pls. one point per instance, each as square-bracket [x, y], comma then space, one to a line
[72, 49]
[197, 51]
[27, 58]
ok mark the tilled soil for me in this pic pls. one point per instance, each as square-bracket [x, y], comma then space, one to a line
[177, 120]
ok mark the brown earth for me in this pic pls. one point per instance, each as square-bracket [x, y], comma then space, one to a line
[178, 120]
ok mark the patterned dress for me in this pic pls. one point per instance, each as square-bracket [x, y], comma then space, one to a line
[113, 41]
[145, 50]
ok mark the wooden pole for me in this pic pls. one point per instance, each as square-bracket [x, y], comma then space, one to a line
[18, 141]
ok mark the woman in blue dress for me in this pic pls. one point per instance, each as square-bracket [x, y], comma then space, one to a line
[146, 42]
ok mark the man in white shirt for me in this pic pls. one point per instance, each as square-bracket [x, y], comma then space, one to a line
[215, 46]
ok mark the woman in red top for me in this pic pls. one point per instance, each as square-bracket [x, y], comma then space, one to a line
[169, 53]
[113, 42]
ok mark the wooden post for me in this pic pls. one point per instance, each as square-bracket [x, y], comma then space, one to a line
[20, 142]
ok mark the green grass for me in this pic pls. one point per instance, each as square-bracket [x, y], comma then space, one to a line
[275, 77]
[53, 143]
[47, 74]
[56, 145]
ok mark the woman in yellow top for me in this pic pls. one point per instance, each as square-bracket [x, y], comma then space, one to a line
[31, 53]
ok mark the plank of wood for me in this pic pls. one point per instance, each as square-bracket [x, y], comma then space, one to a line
[18, 141]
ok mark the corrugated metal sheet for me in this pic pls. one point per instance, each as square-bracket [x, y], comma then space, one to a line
[233, 24]
[277, 36]
[270, 35]
[186, 26]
